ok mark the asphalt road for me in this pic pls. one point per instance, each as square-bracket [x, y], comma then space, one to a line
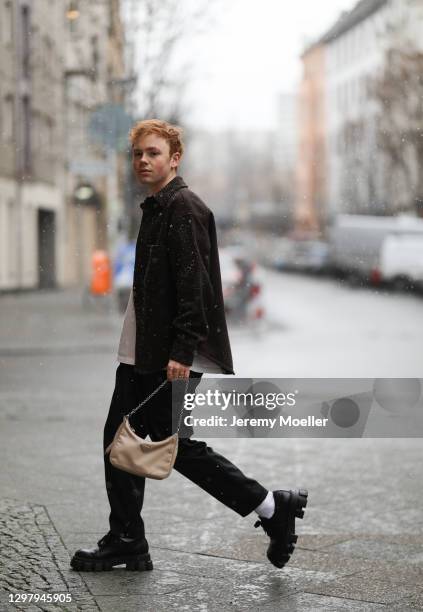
[360, 545]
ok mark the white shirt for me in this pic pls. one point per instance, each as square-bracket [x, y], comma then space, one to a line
[126, 351]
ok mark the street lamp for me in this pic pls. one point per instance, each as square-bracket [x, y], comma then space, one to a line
[72, 12]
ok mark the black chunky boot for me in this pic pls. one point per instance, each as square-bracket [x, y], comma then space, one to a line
[281, 526]
[112, 550]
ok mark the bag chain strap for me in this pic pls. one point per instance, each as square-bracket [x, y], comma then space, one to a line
[128, 416]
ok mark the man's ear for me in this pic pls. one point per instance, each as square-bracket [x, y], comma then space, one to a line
[176, 158]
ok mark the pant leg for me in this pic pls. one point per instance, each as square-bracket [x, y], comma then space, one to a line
[218, 476]
[125, 491]
[200, 463]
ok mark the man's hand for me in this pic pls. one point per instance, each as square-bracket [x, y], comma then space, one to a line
[177, 370]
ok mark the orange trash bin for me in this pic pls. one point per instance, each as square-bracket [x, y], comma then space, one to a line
[101, 277]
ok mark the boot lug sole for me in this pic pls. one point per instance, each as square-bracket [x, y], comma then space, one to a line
[297, 503]
[135, 563]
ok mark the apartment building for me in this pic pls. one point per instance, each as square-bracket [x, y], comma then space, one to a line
[94, 68]
[311, 161]
[31, 144]
[58, 62]
[343, 112]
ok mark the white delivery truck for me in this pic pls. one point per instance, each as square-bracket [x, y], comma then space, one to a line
[401, 260]
[355, 243]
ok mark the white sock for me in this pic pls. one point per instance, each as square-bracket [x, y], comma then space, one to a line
[267, 506]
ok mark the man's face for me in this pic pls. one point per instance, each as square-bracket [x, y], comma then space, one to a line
[152, 163]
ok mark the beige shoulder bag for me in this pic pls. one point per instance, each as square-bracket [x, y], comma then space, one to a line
[133, 454]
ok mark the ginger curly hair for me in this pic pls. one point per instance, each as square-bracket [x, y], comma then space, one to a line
[171, 133]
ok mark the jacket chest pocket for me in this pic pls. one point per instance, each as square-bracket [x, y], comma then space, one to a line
[156, 266]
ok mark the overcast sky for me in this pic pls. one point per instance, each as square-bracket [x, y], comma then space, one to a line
[251, 55]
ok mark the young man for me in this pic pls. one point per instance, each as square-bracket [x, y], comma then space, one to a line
[175, 327]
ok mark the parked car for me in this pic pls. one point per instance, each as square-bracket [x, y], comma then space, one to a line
[401, 261]
[309, 255]
[124, 263]
[297, 255]
[277, 253]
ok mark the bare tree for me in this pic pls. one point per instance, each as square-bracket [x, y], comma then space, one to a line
[358, 188]
[162, 31]
[399, 95]
[160, 35]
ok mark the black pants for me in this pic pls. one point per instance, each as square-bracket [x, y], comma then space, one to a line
[195, 460]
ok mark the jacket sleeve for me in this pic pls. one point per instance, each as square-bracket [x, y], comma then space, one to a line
[189, 251]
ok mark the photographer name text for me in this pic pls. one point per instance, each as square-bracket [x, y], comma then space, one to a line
[282, 421]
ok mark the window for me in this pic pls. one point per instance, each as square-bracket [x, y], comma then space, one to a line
[12, 272]
[95, 55]
[26, 33]
[7, 115]
[6, 21]
[26, 112]
[73, 16]
[47, 51]
[45, 134]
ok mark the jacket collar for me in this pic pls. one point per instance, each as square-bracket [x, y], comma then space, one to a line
[162, 197]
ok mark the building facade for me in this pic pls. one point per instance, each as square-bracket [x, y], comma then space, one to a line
[311, 167]
[352, 57]
[56, 65]
[31, 145]
[355, 49]
[94, 68]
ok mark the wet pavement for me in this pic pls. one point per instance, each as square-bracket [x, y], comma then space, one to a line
[360, 544]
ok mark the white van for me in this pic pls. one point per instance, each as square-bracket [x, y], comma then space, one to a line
[355, 242]
[401, 260]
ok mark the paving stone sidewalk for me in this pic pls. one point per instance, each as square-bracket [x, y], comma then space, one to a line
[33, 559]
[360, 545]
[335, 572]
